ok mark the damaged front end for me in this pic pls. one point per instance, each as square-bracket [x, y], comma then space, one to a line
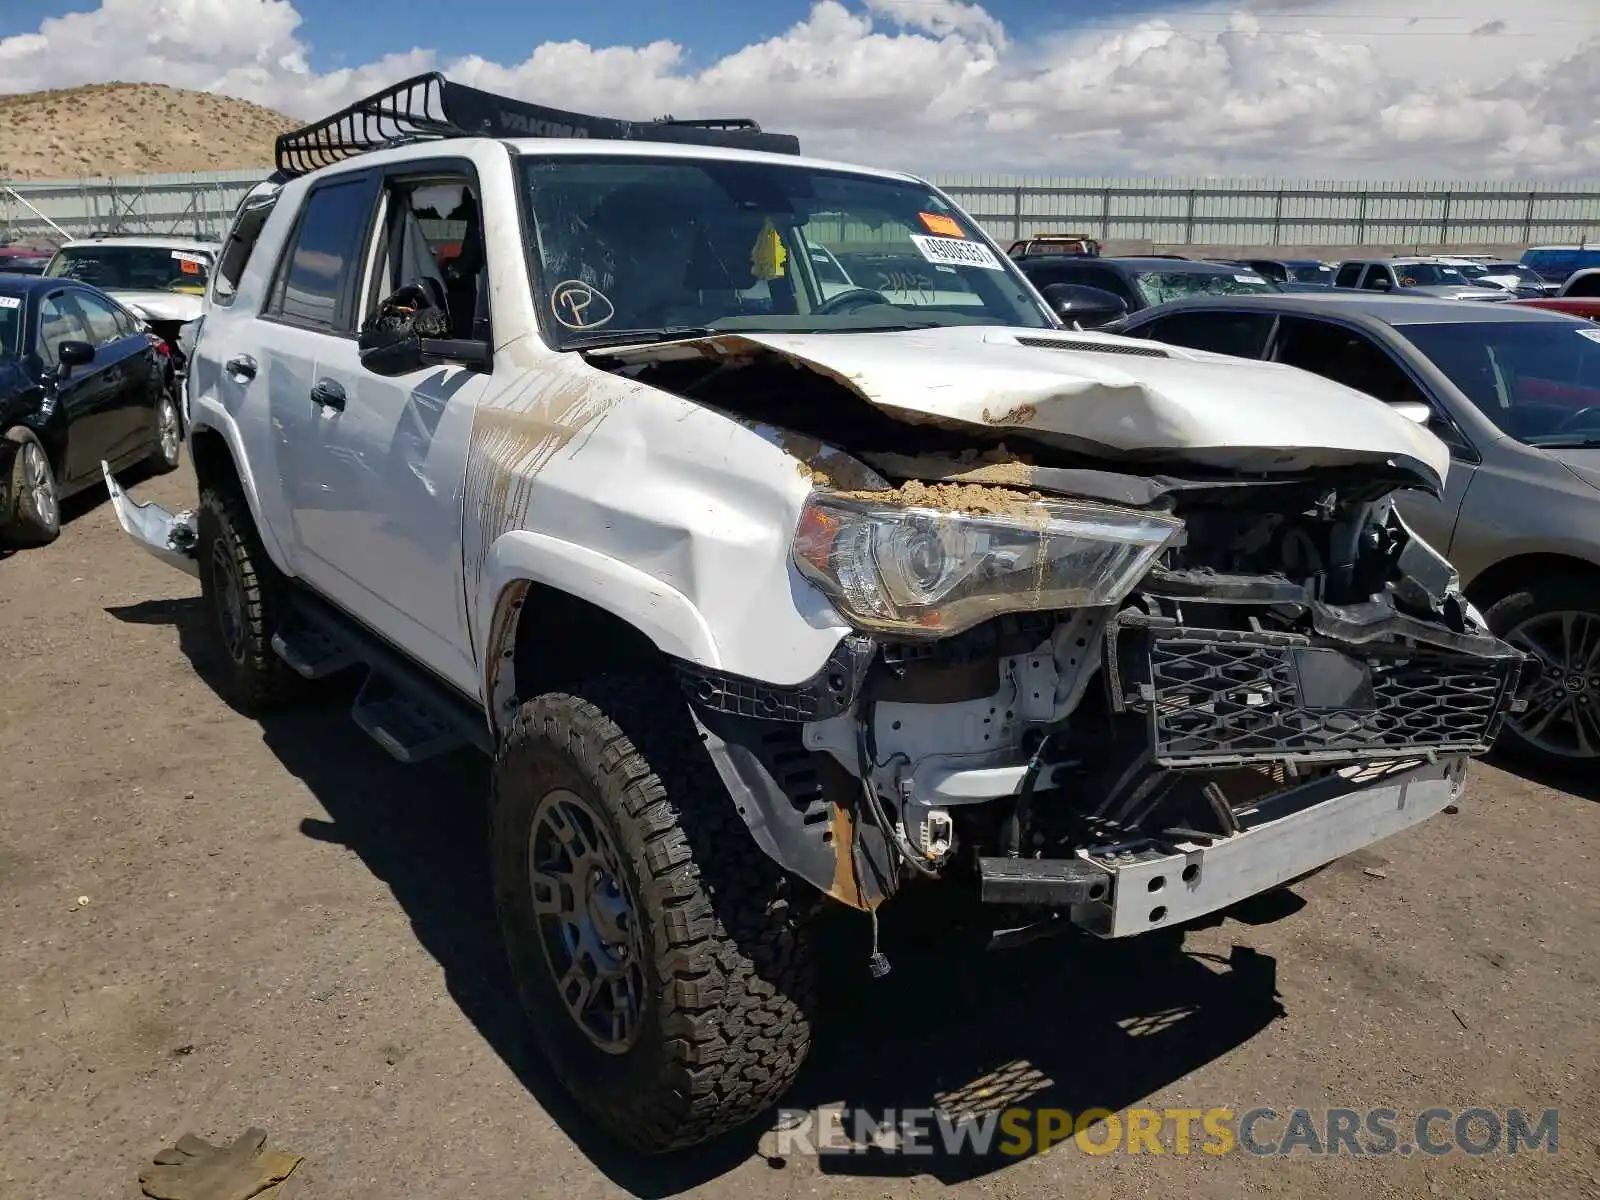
[1129, 707]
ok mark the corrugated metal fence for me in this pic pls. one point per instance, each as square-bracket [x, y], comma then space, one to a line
[1166, 211]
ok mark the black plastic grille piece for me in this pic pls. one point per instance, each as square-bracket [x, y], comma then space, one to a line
[1238, 700]
[1041, 343]
[828, 693]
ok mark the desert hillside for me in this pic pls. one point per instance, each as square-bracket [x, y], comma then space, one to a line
[131, 129]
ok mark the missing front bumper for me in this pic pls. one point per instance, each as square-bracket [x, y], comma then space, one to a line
[170, 537]
[1121, 890]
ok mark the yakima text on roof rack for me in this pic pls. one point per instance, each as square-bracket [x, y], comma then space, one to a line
[431, 106]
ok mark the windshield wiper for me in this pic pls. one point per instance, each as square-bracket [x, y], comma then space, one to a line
[1586, 443]
[624, 337]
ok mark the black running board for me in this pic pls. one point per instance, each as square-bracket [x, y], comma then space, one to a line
[400, 706]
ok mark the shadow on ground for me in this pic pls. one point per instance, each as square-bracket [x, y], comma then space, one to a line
[1067, 1023]
[1581, 781]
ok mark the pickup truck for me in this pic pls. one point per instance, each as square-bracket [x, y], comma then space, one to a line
[766, 598]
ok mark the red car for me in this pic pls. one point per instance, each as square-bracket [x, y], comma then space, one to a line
[1577, 306]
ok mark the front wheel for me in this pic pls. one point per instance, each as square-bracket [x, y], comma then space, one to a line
[34, 501]
[1557, 621]
[651, 940]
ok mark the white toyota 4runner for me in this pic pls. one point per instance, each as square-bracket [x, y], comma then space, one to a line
[784, 547]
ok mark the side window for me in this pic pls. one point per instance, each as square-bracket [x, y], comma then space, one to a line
[235, 257]
[1355, 360]
[127, 325]
[432, 234]
[1377, 276]
[60, 321]
[1589, 285]
[104, 328]
[316, 275]
[1348, 274]
[1243, 335]
[1273, 271]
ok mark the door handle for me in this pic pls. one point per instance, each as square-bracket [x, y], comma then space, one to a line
[241, 367]
[328, 394]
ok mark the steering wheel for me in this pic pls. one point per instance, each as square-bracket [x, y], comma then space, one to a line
[1592, 412]
[853, 298]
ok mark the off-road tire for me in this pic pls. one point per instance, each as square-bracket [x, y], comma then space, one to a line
[729, 991]
[1550, 594]
[250, 676]
[22, 526]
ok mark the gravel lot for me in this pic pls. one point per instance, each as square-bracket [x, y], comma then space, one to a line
[286, 928]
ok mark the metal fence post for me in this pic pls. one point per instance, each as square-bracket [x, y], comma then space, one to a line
[1527, 221]
[1188, 220]
[1444, 220]
[1016, 214]
[1277, 218]
[1361, 220]
[1105, 215]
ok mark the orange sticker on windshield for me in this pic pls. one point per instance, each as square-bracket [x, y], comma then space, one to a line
[941, 224]
[187, 267]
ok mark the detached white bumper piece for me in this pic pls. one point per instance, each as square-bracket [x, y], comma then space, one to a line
[170, 537]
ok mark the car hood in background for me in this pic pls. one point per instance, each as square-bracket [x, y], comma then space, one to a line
[1099, 395]
[161, 306]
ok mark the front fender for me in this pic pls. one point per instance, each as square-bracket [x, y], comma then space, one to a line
[519, 558]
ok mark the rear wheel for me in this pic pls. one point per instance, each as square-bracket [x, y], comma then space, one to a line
[34, 503]
[652, 942]
[245, 600]
[168, 452]
[1557, 620]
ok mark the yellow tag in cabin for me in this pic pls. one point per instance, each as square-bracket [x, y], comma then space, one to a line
[767, 255]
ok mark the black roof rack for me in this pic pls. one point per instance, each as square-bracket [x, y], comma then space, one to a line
[430, 106]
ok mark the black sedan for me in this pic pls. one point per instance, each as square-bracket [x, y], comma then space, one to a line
[81, 379]
[1097, 291]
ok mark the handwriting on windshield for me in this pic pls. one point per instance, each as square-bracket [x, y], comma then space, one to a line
[905, 281]
[577, 305]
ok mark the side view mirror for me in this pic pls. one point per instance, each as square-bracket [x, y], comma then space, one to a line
[1084, 306]
[1413, 410]
[410, 332]
[1382, 284]
[73, 354]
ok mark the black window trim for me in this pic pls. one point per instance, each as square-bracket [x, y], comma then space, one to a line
[1221, 310]
[368, 177]
[420, 170]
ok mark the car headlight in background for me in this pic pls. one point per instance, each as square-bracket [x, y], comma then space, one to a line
[930, 573]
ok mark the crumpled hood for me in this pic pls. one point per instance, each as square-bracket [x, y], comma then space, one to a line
[161, 306]
[1100, 395]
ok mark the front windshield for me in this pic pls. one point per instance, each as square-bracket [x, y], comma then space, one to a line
[134, 268]
[1538, 381]
[1313, 273]
[1428, 274]
[10, 326]
[1157, 287]
[631, 246]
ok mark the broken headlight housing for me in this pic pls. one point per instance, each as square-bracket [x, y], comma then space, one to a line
[929, 573]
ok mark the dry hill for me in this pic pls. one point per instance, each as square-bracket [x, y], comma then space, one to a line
[132, 129]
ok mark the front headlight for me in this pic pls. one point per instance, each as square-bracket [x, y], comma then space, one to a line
[930, 573]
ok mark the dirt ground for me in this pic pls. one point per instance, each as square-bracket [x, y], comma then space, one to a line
[285, 928]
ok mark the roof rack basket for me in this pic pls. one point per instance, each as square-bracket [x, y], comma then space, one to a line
[429, 106]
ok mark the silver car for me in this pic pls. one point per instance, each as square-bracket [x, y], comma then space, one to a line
[1413, 277]
[1514, 391]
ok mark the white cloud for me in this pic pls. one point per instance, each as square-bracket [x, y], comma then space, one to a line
[1280, 88]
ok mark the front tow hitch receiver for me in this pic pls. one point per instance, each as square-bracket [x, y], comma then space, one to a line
[1042, 882]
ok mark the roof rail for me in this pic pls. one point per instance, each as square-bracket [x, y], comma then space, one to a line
[429, 106]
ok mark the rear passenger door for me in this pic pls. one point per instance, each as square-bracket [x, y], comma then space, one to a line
[124, 355]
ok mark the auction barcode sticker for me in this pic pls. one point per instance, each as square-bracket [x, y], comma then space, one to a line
[199, 260]
[956, 252]
[1592, 334]
[10, 302]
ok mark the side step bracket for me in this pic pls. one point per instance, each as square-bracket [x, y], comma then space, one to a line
[399, 705]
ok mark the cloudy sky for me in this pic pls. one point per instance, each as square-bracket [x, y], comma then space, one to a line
[1278, 88]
